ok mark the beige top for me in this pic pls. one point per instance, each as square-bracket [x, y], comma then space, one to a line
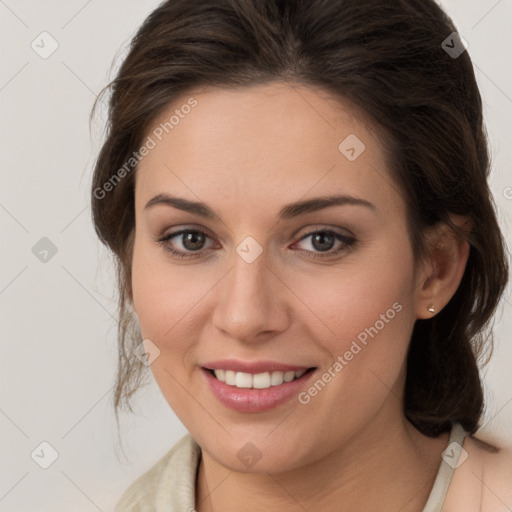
[470, 479]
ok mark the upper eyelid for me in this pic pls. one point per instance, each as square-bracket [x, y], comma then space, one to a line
[313, 229]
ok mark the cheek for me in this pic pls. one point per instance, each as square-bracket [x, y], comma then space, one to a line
[169, 300]
[363, 320]
[368, 290]
[163, 299]
[160, 297]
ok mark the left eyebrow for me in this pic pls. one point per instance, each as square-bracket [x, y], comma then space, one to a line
[288, 211]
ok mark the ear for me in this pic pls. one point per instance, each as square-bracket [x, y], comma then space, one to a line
[441, 273]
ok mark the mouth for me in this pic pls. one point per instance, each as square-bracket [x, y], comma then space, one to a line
[262, 380]
[251, 392]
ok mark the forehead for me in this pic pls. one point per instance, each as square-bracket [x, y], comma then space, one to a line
[263, 141]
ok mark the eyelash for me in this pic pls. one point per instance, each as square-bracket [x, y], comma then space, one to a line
[348, 242]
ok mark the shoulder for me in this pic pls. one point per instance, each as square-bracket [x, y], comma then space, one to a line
[483, 480]
[174, 470]
[496, 476]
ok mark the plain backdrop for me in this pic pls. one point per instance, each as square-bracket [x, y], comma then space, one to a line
[58, 331]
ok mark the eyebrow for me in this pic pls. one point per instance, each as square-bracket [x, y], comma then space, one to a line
[288, 211]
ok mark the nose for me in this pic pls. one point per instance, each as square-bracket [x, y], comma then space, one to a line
[251, 306]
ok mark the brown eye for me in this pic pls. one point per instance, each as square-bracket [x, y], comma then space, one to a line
[193, 240]
[323, 241]
[189, 242]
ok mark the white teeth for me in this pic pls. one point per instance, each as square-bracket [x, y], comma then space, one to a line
[276, 378]
[259, 380]
[289, 376]
[230, 377]
[243, 380]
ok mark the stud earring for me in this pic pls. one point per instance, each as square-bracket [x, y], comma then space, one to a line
[432, 309]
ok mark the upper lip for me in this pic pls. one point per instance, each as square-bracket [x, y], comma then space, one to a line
[253, 367]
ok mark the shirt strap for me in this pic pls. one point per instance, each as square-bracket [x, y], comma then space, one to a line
[448, 465]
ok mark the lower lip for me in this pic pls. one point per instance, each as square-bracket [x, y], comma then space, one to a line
[255, 400]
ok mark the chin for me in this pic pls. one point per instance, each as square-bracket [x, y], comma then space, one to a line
[257, 453]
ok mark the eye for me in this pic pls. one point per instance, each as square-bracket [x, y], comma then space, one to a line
[192, 241]
[323, 241]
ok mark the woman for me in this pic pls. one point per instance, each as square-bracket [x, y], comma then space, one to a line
[308, 256]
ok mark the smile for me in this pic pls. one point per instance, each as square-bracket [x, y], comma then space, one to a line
[256, 381]
[248, 388]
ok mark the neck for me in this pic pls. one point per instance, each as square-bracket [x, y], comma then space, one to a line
[387, 466]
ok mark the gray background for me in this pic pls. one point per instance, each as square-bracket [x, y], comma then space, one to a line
[58, 344]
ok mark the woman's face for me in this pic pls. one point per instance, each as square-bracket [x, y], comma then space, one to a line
[272, 281]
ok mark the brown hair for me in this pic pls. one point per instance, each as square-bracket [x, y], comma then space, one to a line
[386, 58]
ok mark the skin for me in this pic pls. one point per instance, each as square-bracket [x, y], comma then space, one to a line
[247, 152]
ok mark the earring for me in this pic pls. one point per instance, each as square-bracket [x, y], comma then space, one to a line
[432, 309]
